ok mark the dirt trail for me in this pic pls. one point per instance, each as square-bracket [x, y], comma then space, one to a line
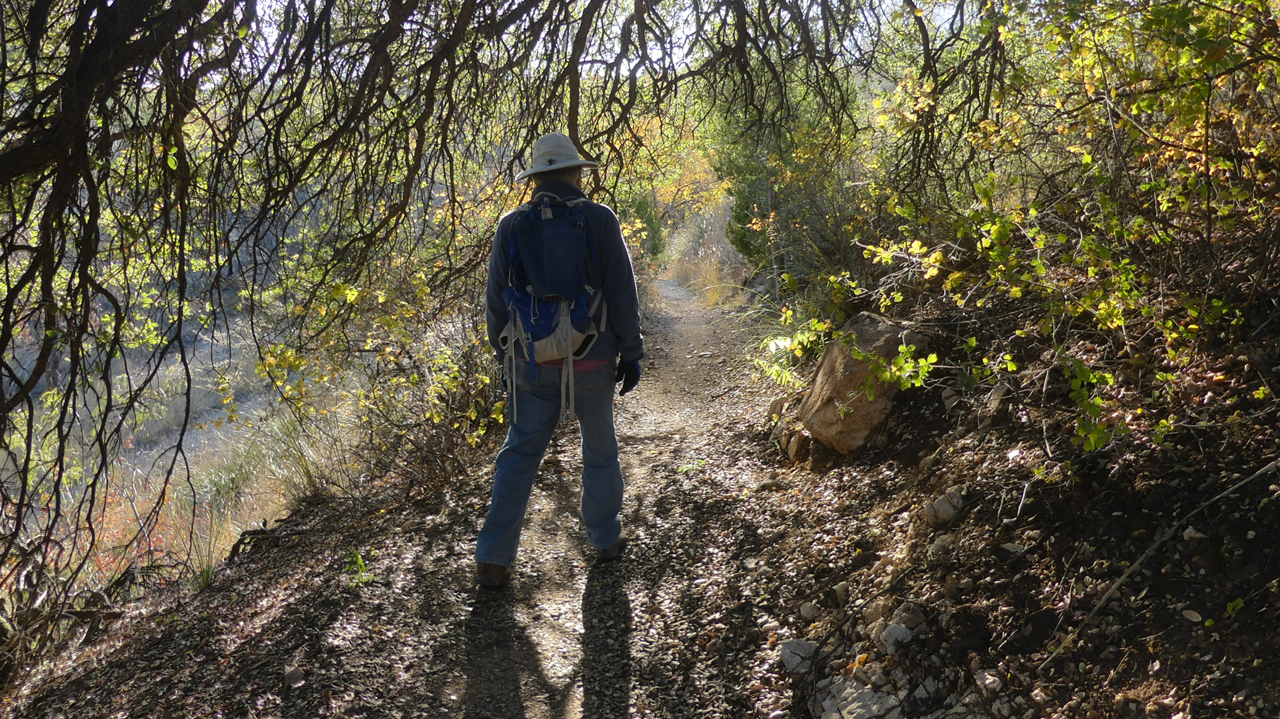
[290, 629]
[557, 642]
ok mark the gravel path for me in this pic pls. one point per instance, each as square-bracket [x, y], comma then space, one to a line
[586, 640]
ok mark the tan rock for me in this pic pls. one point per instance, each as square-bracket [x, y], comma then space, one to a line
[778, 408]
[942, 546]
[942, 510]
[876, 610]
[837, 410]
[798, 447]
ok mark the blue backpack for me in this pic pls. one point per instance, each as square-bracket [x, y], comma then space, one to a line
[553, 290]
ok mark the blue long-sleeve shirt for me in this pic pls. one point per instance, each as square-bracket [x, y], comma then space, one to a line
[621, 336]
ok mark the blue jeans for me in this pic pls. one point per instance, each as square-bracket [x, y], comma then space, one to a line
[538, 404]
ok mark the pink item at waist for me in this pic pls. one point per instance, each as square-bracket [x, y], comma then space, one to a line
[578, 365]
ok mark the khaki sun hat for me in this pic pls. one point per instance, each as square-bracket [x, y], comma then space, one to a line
[554, 151]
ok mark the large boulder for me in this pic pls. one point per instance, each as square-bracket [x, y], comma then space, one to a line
[837, 410]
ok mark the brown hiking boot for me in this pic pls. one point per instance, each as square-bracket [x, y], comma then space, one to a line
[491, 576]
[612, 553]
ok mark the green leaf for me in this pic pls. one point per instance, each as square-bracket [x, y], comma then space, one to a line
[173, 162]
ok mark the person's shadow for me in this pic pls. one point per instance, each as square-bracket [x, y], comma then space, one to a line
[500, 659]
[606, 644]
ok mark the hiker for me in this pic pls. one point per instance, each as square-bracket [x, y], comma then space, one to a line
[561, 289]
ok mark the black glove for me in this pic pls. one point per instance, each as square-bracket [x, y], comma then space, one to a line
[628, 375]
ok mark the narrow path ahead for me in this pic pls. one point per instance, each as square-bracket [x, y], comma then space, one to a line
[567, 638]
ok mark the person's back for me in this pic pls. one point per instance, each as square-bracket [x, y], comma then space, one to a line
[565, 348]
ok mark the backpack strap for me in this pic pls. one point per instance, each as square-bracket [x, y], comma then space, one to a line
[566, 386]
[510, 366]
[507, 341]
[545, 194]
[513, 250]
[596, 277]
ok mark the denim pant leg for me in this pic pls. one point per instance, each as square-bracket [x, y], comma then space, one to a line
[601, 473]
[538, 405]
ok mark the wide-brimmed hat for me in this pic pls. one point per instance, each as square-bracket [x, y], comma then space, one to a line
[554, 151]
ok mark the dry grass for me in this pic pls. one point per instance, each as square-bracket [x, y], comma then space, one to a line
[227, 479]
[701, 258]
[714, 283]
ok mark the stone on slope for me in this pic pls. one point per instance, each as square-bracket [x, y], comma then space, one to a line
[846, 699]
[780, 406]
[797, 655]
[942, 510]
[942, 546]
[837, 410]
[798, 447]
[988, 681]
[894, 637]
[877, 609]
[908, 615]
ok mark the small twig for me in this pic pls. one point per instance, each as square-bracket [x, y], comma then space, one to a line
[1026, 486]
[250, 535]
[1119, 665]
[87, 615]
[1263, 326]
[1159, 540]
[1250, 668]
